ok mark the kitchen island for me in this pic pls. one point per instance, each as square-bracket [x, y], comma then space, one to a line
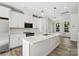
[40, 45]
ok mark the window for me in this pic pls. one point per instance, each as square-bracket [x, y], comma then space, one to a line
[57, 27]
[66, 26]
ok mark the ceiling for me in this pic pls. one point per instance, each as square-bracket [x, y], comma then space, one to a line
[48, 8]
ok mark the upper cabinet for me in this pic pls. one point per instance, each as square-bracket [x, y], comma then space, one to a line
[4, 12]
[35, 22]
[16, 20]
[28, 18]
[41, 24]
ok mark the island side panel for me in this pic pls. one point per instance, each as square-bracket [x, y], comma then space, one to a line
[44, 47]
[54, 41]
[26, 50]
[40, 48]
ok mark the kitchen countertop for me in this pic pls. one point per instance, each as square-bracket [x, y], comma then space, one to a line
[39, 37]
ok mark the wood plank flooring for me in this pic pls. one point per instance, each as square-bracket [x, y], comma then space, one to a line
[13, 52]
[66, 48]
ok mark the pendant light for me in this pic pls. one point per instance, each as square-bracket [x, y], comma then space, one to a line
[42, 13]
[54, 12]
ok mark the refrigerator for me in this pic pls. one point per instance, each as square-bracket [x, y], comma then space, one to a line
[4, 34]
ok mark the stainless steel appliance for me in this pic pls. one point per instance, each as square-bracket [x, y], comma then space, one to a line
[28, 25]
[28, 34]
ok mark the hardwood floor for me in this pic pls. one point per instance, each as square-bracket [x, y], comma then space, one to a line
[13, 52]
[66, 48]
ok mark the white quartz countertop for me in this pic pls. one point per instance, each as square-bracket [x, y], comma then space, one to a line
[40, 37]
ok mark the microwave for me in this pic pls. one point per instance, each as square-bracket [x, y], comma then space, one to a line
[28, 25]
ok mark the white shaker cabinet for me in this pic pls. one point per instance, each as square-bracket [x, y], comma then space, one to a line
[4, 12]
[40, 45]
[15, 40]
[43, 25]
[35, 22]
[16, 19]
[28, 17]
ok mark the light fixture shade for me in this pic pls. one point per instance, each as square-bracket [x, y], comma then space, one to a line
[42, 13]
[54, 12]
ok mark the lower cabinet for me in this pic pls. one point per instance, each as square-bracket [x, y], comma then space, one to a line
[15, 40]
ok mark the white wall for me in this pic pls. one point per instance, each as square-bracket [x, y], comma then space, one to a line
[61, 20]
[74, 27]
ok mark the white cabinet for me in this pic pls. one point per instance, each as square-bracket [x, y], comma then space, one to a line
[28, 17]
[15, 40]
[41, 24]
[4, 12]
[35, 22]
[40, 48]
[16, 19]
[50, 26]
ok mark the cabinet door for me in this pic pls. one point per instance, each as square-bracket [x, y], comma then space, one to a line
[21, 21]
[43, 25]
[19, 39]
[35, 23]
[14, 42]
